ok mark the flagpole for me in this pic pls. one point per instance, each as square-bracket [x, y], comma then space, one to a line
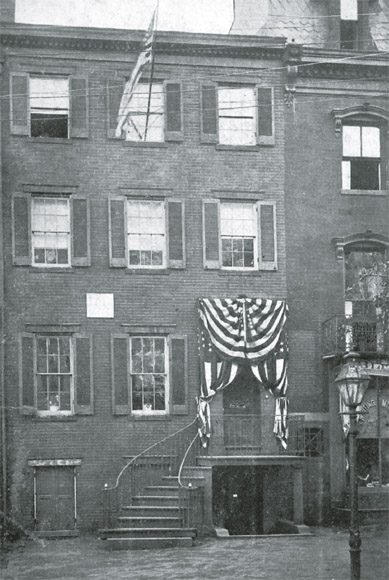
[151, 73]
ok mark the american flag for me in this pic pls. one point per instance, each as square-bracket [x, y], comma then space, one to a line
[145, 57]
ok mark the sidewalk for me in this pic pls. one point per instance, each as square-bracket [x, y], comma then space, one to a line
[322, 556]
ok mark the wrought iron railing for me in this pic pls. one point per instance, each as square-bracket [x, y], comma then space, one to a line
[162, 458]
[341, 333]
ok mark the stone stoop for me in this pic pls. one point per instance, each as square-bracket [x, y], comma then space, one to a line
[154, 521]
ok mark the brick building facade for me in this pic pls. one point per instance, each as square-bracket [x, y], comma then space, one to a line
[110, 242]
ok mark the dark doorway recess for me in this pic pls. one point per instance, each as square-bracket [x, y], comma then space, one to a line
[238, 499]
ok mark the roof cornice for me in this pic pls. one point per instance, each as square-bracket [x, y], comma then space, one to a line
[114, 40]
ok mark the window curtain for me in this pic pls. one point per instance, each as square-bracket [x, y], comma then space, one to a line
[237, 331]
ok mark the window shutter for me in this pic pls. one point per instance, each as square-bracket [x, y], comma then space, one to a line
[117, 232]
[211, 233]
[267, 236]
[83, 374]
[173, 107]
[209, 124]
[79, 118]
[21, 230]
[115, 87]
[80, 232]
[176, 233]
[19, 110]
[26, 374]
[265, 116]
[178, 375]
[119, 370]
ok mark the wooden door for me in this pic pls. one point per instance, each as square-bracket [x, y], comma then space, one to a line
[241, 408]
[55, 506]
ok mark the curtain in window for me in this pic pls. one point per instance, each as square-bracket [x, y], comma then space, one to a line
[237, 331]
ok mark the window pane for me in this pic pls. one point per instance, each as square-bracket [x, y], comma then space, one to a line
[146, 233]
[49, 93]
[237, 131]
[51, 230]
[135, 126]
[236, 102]
[237, 219]
[351, 141]
[136, 355]
[346, 175]
[370, 142]
[42, 393]
[365, 174]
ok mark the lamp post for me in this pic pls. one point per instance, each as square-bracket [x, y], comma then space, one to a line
[352, 382]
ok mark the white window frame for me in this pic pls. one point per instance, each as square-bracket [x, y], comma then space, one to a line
[254, 117]
[157, 88]
[254, 207]
[162, 266]
[346, 159]
[69, 233]
[52, 412]
[42, 109]
[151, 412]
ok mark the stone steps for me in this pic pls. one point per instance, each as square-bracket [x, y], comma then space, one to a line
[147, 543]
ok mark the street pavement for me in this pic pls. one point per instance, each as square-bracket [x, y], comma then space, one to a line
[322, 556]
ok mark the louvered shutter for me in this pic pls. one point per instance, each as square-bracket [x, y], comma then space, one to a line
[173, 108]
[115, 87]
[265, 116]
[19, 110]
[267, 235]
[79, 117]
[117, 232]
[176, 233]
[119, 373]
[178, 375]
[83, 374]
[21, 231]
[211, 233]
[209, 113]
[26, 374]
[80, 231]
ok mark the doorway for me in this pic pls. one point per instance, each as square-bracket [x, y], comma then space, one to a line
[55, 499]
[241, 414]
[238, 499]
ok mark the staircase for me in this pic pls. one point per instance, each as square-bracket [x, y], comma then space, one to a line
[156, 519]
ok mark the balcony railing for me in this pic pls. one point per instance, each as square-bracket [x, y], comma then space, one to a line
[341, 333]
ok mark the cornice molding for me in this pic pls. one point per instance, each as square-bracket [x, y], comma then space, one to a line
[355, 70]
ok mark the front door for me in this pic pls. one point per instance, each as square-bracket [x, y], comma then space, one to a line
[55, 506]
[241, 409]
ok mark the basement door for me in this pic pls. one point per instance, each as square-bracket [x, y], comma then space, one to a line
[55, 499]
[241, 409]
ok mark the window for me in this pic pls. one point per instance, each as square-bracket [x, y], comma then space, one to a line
[239, 235]
[49, 107]
[146, 234]
[149, 373]
[361, 165]
[56, 374]
[348, 24]
[152, 120]
[149, 379]
[310, 441]
[238, 229]
[50, 229]
[146, 121]
[237, 115]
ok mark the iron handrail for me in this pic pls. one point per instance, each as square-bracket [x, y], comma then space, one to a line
[180, 483]
[145, 451]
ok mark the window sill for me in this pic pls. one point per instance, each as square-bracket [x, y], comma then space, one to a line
[150, 417]
[55, 419]
[148, 272]
[146, 144]
[46, 270]
[255, 273]
[254, 148]
[377, 192]
[51, 140]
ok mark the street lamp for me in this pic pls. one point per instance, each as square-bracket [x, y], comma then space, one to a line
[352, 382]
